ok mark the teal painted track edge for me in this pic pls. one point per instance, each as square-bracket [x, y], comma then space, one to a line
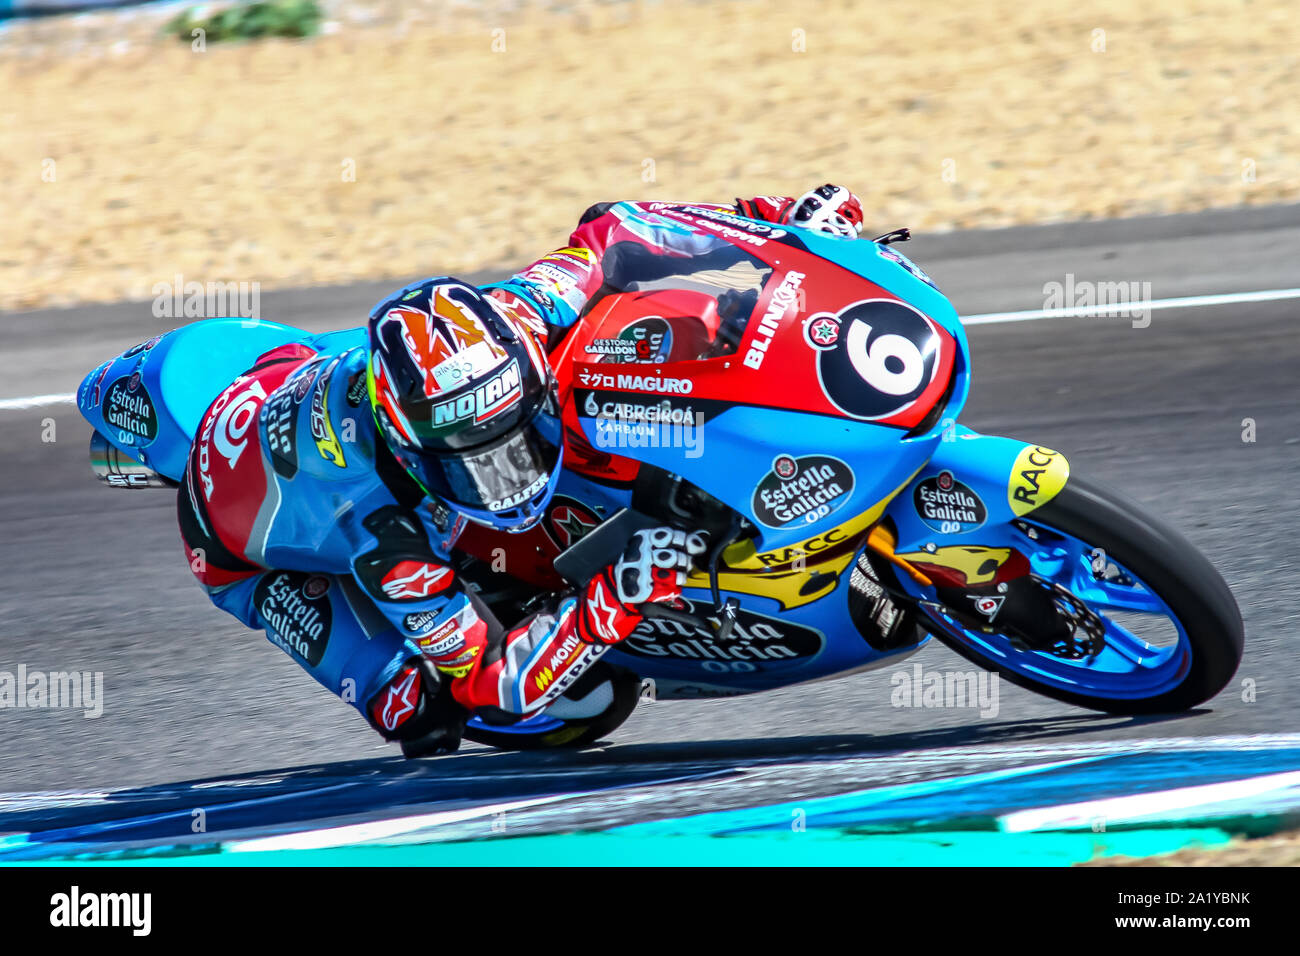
[808, 848]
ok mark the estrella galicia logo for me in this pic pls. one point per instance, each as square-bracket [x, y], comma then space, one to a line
[875, 357]
[947, 505]
[766, 642]
[803, 489]
[295, 609]
[420, 623]
[129, 408]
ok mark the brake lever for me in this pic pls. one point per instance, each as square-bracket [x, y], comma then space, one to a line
[715, 552]
[727, 614]
[897, 235]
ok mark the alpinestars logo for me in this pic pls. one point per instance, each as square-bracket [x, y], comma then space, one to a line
[569, 520]
[412, 580]
[400, 700]
[603, 614]
[571, 526]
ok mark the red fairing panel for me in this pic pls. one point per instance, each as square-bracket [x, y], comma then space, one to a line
[819, 339]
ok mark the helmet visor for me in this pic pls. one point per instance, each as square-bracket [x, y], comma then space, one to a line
[497, 477]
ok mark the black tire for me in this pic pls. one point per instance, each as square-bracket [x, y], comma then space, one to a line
[1170, 566]
[577, 732]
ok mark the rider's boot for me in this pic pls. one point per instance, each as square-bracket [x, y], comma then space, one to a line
[418, 709]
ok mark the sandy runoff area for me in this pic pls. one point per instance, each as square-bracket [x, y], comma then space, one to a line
[437, 137]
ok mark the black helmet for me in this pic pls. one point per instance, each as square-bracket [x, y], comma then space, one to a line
[463, 395]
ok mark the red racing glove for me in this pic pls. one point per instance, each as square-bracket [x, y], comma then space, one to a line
[828, 208]
[652, 569]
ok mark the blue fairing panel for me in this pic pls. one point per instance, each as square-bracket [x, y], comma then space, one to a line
[149, 400]
[963, 488]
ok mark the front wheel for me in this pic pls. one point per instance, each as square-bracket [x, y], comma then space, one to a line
[1173, 632]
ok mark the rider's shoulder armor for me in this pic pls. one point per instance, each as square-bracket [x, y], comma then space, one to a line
[331, 469]
[318, 439]
[317, 425]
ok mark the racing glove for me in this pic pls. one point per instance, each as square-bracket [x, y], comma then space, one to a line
[653, 569]
[828, 208]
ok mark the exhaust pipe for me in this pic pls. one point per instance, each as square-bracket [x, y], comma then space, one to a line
[117, 469]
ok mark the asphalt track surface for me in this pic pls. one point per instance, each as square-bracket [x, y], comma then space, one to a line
[93, 579]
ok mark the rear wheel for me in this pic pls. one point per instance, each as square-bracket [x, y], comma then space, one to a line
[621, 688]
[1173, 632]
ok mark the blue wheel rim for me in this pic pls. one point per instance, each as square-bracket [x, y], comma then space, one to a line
[1127, 668]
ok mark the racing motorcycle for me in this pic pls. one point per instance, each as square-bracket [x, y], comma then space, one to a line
[795, 397]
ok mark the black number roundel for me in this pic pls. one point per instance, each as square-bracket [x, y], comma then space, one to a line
[874, 358]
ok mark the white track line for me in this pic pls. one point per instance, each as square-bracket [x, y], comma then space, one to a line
[35, 401]
[985, 318]
[1157, 805]
[374, 830]
[1129, 308]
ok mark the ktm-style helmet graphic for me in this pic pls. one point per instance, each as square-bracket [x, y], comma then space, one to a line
[463, 395]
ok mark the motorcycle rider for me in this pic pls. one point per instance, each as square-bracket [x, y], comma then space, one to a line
[325, 491]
